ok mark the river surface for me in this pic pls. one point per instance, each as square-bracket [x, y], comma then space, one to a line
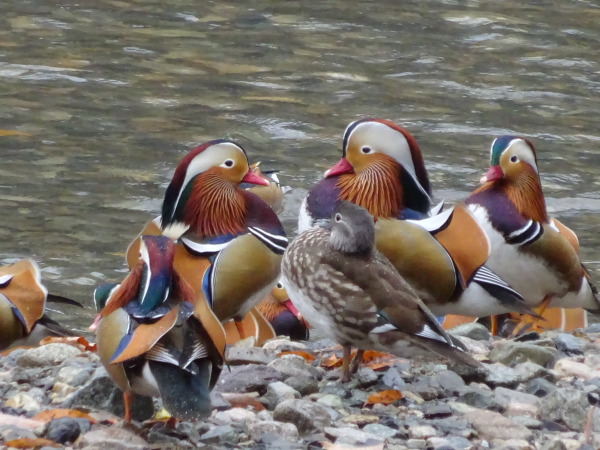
[101, 99]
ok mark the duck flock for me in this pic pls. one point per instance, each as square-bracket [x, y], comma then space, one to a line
[375, 266]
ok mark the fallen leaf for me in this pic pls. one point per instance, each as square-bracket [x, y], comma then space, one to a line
[13, 133]
[31, 443]
[243, 401]
[378, 360]
[76, 341]
[307, 356]
[50, 414]
[384, 397]
[331, 362]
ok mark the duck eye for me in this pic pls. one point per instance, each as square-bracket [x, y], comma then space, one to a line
[279, 286]
[338, 217]
[229, 163]
[514, 158]
[366, 150]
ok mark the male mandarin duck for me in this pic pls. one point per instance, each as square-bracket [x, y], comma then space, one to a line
[285, 319]
[156, 337]
[534, 252]
[442, 256]
[22, 305]
[231, 240]
[351, 293]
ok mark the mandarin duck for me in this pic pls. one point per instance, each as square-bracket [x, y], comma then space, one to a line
[283, 316]
[231, 240]
[352, 294]
[156, 337]
[534, 252]
[23, 300]
[442, 257]
[271, 194]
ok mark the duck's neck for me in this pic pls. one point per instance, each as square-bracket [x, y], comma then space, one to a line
[377, 189]
[215, 207]
[524, 191]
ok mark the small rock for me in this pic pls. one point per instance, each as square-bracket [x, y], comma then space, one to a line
[366, 377]
[278, 392]
[475, 331]
[60, 391]
[360, 419]
[223, 434]
[511, 353]
[480, 398]
[306, 415]
[501, 375]
[527, 421]
[438, 443]
[594, 328]
[450, 382]
[521, 409]
[568, 406]
[569, 344]
[380, 431]
[279, 345]
[416, 443]
[529, 370]
[286, 431]
[47, 355]
[253, 355]
[331, 401]
[437, 411]
[422, 432]
[294, 365]
[350, 436]
[554, 444]
[393, 380]
[73, 376]
[492, 425]
[114, 438]
[511, 444]
[304, 385]
[235, 416]
[11, 432]
[23, 401]
[506, 396]
[252, 378]
[539, 387]
[568, 368]
[66, 429]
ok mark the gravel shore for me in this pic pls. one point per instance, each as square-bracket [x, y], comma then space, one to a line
[534, 393]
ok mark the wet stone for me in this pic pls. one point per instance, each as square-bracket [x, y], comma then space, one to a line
[304, 385]
[366, 377]
[436, 411]
[380, 431]
[11, 432]
[351, 436]
[285, 431]
[568, 406]
[529, 370]
[540, 387]
[511, 353]
[492, 425]
[47, 355]
[527, 421]
[254, 355]
[293, 365]
[66, 430]
[393, 379]
[475, 331]
[223, 434]
[450, 382]
[306, 415]
[253, 378]
[480, 398]
[505, 396]
[569, 344]
[277, 392]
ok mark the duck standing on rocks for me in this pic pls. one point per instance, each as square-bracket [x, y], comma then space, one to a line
[354, 295]
[231, 240]
[157, 338]
[442, 256]
[534, 252]
[283, 316]
[22, 305]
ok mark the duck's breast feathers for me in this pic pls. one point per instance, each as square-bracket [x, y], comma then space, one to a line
[322, 198]
[21, 284]
[263, 223]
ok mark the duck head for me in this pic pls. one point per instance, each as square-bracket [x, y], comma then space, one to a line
[513, 169]
[382, 169]
[204, 194]
[352, 229]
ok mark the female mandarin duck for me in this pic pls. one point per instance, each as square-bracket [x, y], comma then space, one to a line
[157, 338]
[535, 253]
[382, 170]
[283, 316]
[231, 240]
[22, 304]
[354, 295]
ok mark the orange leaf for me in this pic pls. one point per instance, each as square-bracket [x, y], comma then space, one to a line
[307, 356]
[31, 443]
[243, 401]
[50, 414]
[76, 341]
[384, 397]
[331, 362]
[371, 355]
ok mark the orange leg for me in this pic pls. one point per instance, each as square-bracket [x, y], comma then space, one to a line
[533, 323]
[494, 325]
[240, 329]
[127, 396]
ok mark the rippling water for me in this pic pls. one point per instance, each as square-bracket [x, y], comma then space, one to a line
[101, 99]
